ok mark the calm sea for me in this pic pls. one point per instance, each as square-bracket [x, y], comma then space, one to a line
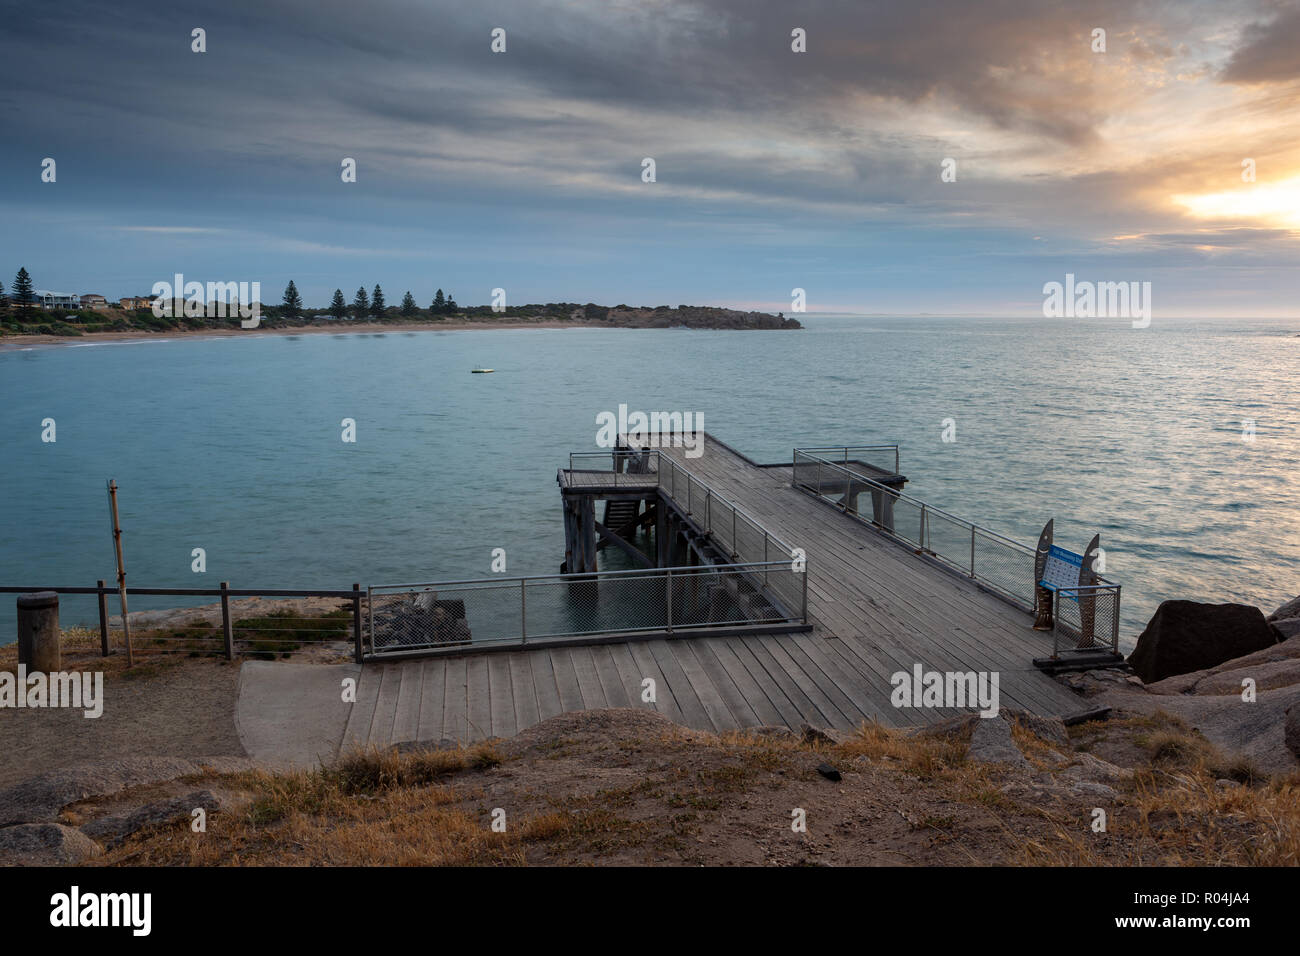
[234, 445]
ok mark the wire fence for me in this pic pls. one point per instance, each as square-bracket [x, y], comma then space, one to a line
[882, 458]
[521, 611]
[1086, 618]
[223, 630]
[731, 528]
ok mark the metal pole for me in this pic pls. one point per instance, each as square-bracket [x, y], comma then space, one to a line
[102, 598]
[369, 622]
[121, 570]
[922, 527]
[523, 614]
[1114, 625]
[358, 651]
[708, 512]
[668, 577]
[227, 629]
[972, 551]
[804, 608]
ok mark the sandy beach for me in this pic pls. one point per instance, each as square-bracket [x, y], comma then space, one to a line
[19, 342]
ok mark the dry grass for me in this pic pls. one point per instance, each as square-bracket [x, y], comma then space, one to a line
[1185, 819]
[689, 798]
[372, 808]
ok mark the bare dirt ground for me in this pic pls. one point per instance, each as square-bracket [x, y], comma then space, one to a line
[167, 706]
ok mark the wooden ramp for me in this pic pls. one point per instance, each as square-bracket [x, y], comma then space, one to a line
[876, 609]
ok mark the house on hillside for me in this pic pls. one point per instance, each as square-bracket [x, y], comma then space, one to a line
[136, 302]
[45, 299]
[93, 300]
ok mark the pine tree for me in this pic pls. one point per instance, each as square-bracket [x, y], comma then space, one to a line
[377, 302]
[4, 301]
[439, 304]
[23, 295]
[361, 304]
[451, 304]
[292, 302]
[338, 305]
[408, 303]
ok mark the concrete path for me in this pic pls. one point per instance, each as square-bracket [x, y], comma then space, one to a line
[292, 715]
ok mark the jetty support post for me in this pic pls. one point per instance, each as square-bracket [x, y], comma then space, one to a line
[227, 628]
[38, 632]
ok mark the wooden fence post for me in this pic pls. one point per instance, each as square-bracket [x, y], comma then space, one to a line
[227, 629]
[103, 618]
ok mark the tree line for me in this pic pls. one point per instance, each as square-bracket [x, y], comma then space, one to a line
[365, 304]
[22, 294]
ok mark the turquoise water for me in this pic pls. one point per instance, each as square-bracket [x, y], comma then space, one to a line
[233, 444]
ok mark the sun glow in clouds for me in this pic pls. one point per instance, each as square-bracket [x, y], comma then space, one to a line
[1277, 203]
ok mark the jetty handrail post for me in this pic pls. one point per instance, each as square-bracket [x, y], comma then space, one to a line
[803, 610]
[358, 648]
[523, 613]
[1055, 598]
[227, 629]
[734, 551]
[668, 603]
[922, 541]
[765, 557]
[972, 550]
[708, 511]
[102, 599]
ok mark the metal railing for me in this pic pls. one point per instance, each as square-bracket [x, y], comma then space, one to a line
[1086, 618]
[731, 528]
[1004, 566]
[759, 586]
[262, 633]
[521, 611]
[613, 469]
[883, 457]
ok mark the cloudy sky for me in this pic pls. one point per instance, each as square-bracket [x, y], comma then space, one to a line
[775, 169]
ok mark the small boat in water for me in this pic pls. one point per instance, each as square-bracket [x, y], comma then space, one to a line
[481, 371]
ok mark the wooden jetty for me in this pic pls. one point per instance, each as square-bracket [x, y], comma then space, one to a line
[874, 608]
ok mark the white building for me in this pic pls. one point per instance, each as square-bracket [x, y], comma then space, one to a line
[45, 299]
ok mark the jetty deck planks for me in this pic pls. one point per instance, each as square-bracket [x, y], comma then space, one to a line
[876, 609]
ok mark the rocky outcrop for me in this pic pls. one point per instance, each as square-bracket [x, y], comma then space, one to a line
[40, 799]
[44, 844]
[1185, 636]
[112, 830]
[990, 742]
[1287, 618]
[1288, 611]
[1291, 730]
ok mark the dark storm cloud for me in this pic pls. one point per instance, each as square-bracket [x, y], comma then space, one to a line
[1270, 49]
[754, 145]
[1022, 66]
